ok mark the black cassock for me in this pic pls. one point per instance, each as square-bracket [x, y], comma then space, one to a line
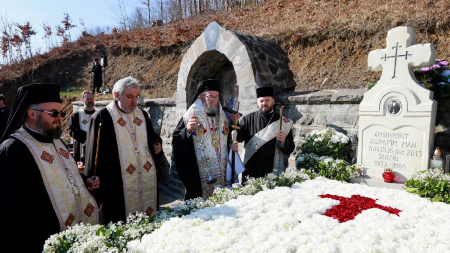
[186, 161]
[4, 114]
[27, 216]
[97, 78]
[110, 192]
[79, 135]
[261, 163]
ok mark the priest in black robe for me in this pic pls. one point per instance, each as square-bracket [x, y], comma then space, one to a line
[111, 195]
[184, 150]
[97, 78]
[24, 200]
[261, 162]
[79, 123]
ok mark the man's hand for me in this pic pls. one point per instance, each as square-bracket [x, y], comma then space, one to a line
[192, 124]
[234, 145]
[158, 148]
[93, 184]
[235, 117]
[281, 136]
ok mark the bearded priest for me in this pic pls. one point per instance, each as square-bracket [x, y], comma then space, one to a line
[79, 123]
[41, 190]
[265, 144]
[200, 143]
[126, 152]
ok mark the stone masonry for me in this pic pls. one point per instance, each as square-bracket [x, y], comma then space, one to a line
[257, 62]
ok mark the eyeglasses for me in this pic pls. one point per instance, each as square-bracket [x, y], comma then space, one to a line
[54, 114]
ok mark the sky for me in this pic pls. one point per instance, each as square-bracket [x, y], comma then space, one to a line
[93, 12]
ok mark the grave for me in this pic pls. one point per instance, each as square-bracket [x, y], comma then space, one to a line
[397, 116]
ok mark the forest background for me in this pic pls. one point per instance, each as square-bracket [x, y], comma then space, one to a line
[327, 41]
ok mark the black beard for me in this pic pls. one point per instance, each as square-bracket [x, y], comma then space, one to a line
[269, 110]
[88, 106]
[47, 130]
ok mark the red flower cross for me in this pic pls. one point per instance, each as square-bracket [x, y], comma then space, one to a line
[350, 207]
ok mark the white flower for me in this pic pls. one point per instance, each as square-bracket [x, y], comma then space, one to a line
[335, 139]
[291, 220]
[345, 139]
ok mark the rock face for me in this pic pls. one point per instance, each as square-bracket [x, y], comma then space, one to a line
[397, 116]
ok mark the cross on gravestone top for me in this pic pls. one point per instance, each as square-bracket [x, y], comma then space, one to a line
[401, 55]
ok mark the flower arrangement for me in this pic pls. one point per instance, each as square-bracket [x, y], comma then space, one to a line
[435, 78]
[431, 183]
[300, 219]
[114, 237]
[325, 142]
[322, 155]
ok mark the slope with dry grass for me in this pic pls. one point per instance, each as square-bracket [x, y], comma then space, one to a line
[327, 42]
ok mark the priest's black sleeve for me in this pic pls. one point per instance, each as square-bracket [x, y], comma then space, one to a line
[242, 124]
[152, 137]
[24, 199]
[74, 127]
[186, 161]
[289, 145]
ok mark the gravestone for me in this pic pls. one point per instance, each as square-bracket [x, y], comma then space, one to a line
[397, 116]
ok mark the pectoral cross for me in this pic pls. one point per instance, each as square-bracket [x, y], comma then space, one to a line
[400, 55]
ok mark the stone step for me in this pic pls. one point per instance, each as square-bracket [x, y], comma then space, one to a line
[376, 182]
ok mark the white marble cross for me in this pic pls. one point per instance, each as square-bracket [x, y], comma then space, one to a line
[401, 55]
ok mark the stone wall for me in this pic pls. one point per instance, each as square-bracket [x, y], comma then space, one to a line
[309, 111]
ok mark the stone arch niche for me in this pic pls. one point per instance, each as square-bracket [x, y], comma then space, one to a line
[234, 58]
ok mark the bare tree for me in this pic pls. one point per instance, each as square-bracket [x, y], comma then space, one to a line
[161, 10]
[147, 3]
[120, 14]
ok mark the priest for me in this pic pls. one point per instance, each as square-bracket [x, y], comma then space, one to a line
[265, 144]
[79, 124]
[127, 150]
[200, 143]
[41, 190]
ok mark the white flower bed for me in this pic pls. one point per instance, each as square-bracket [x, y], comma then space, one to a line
[292, 220]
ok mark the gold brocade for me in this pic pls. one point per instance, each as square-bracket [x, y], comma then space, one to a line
[136, 162]
[72, 202]
[262, 137]
[210, 143]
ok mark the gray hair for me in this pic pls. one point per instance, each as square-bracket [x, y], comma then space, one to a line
[126, 82]
[25, 114]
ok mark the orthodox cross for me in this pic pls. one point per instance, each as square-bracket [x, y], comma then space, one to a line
[401, 55]
[395, 57]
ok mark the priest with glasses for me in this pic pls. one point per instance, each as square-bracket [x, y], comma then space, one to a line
[41, 190]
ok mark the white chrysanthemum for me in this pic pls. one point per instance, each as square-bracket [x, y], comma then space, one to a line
[335, 139]
[291, 220]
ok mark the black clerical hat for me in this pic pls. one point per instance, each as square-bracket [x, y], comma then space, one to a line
[207, 85]
[264, 92]
[28, 95]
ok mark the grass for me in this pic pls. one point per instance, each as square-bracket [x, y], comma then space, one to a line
[72, 91]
